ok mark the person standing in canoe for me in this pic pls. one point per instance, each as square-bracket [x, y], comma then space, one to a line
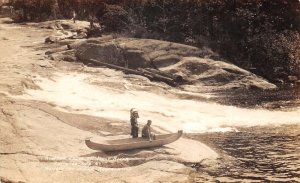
[147, 131]
[134, 123]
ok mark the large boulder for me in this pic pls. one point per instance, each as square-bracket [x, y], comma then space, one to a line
[194, 64]
[157, 48]
[217, 75]
[112, 53]
[166, 60]
[106, 52]
[137, 53]
[136, 59]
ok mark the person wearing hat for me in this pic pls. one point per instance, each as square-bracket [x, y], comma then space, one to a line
[146, 132]
[134, 123]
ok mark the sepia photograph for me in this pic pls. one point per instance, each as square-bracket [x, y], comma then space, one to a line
[153, 91]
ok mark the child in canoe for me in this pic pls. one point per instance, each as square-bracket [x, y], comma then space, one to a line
[147, 131]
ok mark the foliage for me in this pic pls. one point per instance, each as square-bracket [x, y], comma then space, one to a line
[262, 34]
[113, 17]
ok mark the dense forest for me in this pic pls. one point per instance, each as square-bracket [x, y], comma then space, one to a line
[260, 35]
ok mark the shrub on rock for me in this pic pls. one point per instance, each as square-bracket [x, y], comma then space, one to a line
[113, 18]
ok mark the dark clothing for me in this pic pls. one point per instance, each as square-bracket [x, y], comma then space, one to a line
[133, 121]
[134, 128]
[146, 132]
[134, 131]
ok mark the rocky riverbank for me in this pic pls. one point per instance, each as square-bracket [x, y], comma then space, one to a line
[200, 68]
[41, 143]
[49, 106]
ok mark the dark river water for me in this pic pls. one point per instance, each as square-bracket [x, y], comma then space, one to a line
[282, 99]
[256, 154]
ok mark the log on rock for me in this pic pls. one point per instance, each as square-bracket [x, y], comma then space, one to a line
[112, 66]
[159, 77]
[142, 72]
[177, 78]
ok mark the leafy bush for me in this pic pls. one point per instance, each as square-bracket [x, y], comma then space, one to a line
[113, 17]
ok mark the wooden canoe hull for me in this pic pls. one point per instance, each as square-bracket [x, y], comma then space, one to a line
[130, 143]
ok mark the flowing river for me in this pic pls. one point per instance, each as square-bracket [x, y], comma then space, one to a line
[263, 142]
[260, 154]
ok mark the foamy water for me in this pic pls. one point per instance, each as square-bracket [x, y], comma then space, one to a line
[75, 93]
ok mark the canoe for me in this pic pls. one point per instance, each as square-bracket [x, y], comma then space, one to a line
[132, 143]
